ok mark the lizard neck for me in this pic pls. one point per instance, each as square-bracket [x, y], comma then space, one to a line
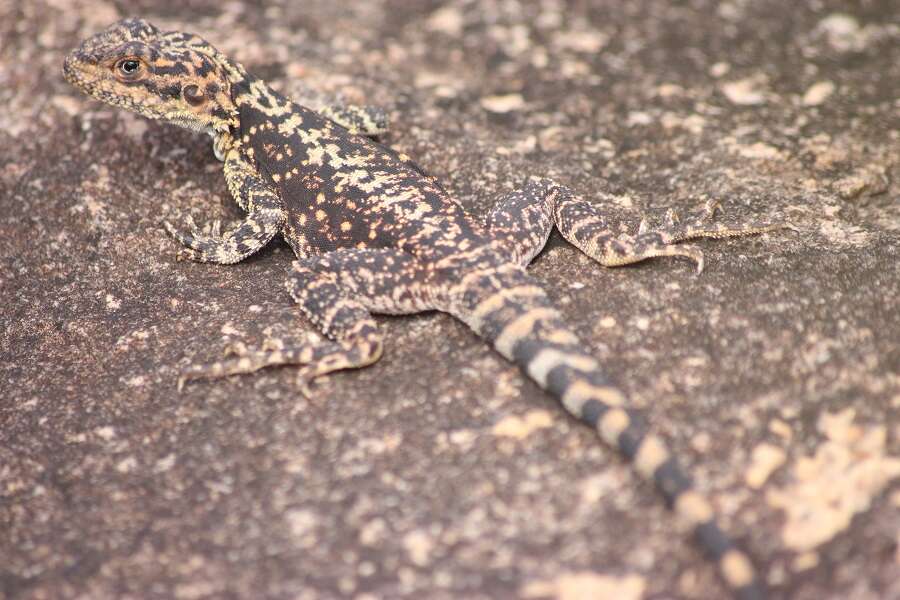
[253, 91]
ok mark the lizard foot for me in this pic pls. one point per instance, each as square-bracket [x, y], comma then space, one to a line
[663, 241]
[196, 238]
[704, 225]
[316, 359]
[650, 244]
[207, 243]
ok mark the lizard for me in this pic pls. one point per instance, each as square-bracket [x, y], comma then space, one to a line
[374, 234]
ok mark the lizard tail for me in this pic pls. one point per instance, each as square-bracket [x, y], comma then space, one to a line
[507, 308]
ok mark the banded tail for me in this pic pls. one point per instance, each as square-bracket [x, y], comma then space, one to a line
[507, 308]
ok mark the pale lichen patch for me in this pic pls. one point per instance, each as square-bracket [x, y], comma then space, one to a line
[870, 180]
[419, 545]
[302, 524]
[126, 465]
[839, 481]
[844, 234]
[805, 561]
[229, 329]
[587, 586]
[113, 303]
[818, 93]
[504, 103]
[765, 459]
[448, 20]
[755, 151]
[521, 427]
[373, 532]
[587, 42]
[749, 91]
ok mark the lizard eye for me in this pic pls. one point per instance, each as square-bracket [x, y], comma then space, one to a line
[128, 67]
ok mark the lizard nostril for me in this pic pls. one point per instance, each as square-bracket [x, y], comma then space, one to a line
[68, 67]
[74, 60]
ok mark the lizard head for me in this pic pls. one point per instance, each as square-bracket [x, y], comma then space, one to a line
[171, 76]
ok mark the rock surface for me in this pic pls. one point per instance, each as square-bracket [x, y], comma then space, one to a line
[440, 472]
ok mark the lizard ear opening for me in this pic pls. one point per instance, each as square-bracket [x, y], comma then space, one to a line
[193, 95]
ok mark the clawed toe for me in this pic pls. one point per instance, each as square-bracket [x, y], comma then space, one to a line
[690, 252]
[192, 225]
[186, 239]
[213, 228]
[312, 359]
[643, 226]
[240, 360]
[187, 255]
[195, 234]
[245, 363]
[171, 230]
[672, 218]
[198, 372]
[304, 381]
[272, 345]
[235, 349]
[709, 210]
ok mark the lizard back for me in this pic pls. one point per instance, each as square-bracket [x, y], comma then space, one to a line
[343, 190]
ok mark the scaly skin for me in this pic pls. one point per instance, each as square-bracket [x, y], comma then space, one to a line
[374, 234]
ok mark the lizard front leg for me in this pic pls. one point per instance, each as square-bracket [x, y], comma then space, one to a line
[521, 223]
[264, 219]
[337, 291]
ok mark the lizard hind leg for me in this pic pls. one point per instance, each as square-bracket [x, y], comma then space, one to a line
[336, 291]
[315, 358]
[579, 224]
[521, 222]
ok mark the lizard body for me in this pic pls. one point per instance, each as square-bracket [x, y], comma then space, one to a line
[373, 234]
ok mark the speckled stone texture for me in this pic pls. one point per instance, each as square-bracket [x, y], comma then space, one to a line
[440, 472]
